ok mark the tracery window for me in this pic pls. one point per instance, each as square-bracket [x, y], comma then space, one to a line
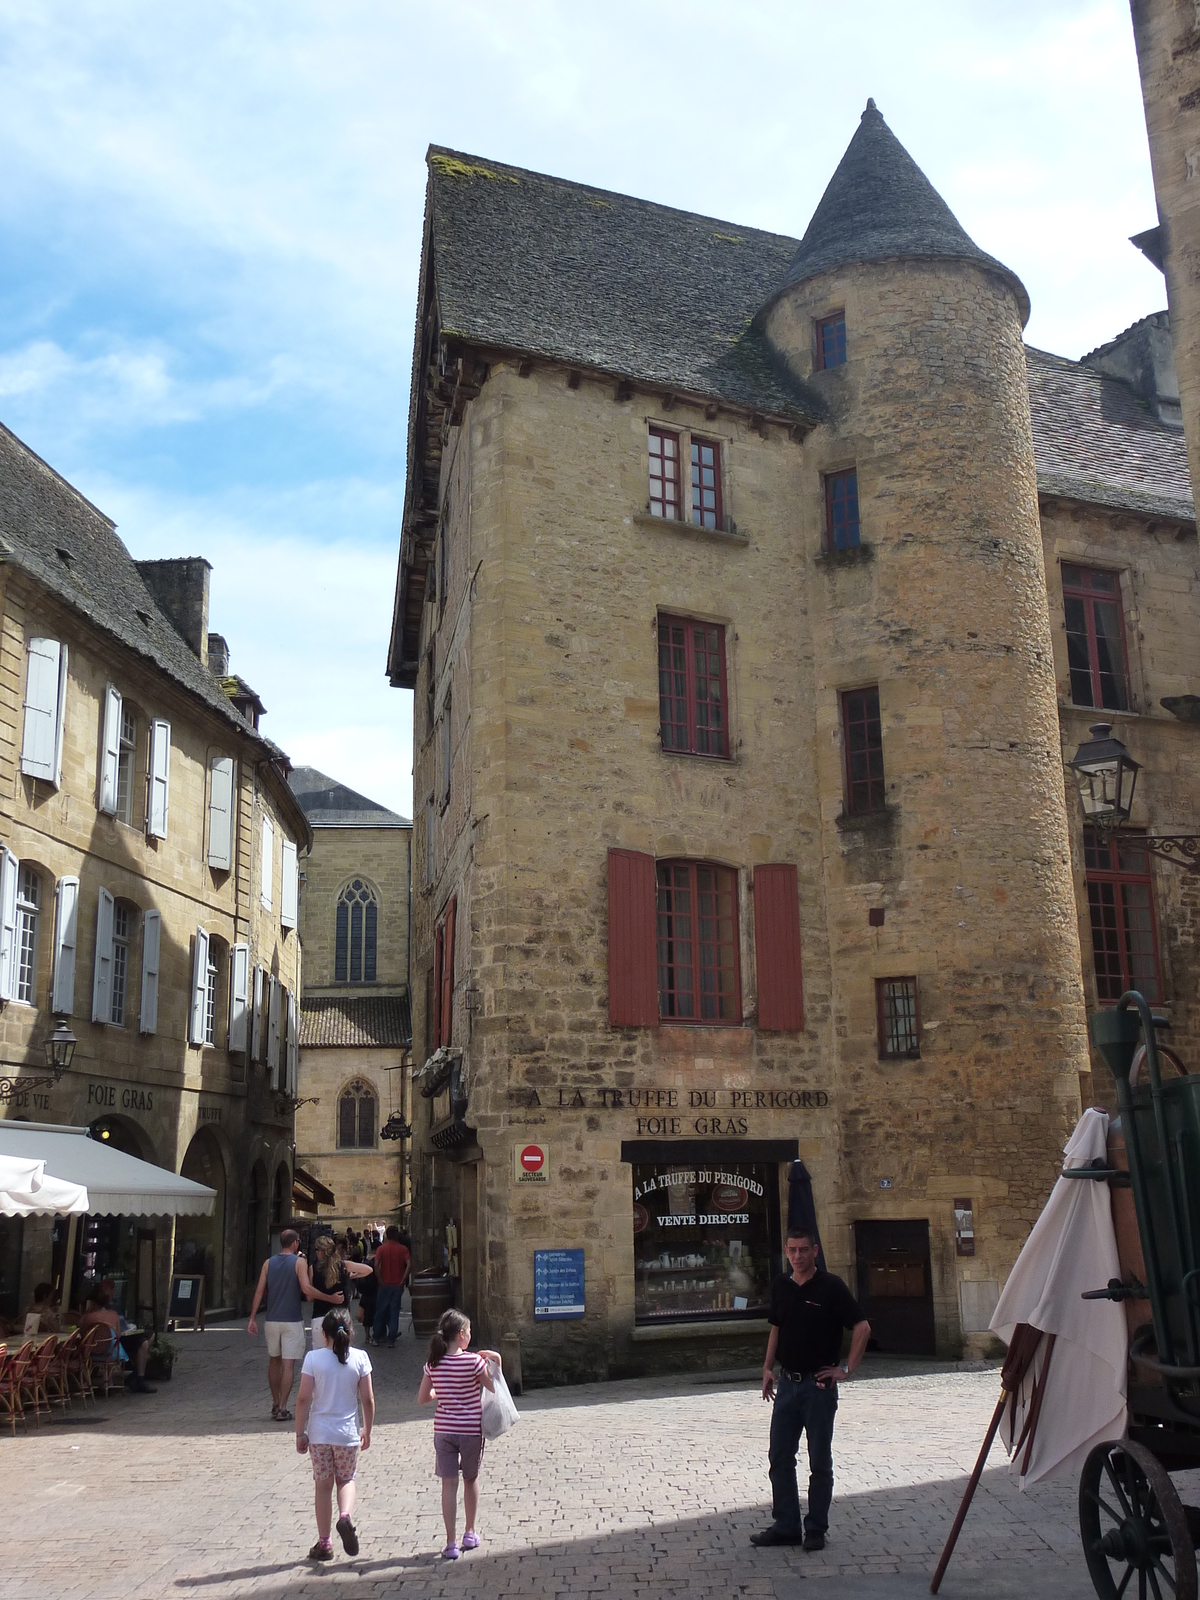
[354, 944]
[357, 1119]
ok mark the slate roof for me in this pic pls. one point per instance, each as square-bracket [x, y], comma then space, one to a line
[358, 1022]
[330, 804]
[42, 515]
[1096, 440]
[528, 262]
[880, 206]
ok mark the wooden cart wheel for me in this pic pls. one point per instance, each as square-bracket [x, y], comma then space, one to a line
[1133, 1525]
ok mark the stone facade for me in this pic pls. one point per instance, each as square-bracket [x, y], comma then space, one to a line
[211, 1110]
[355, 1028]
[530, 609]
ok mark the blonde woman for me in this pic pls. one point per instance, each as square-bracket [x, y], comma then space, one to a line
[332, 1273]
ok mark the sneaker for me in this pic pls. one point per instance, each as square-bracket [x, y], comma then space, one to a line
[450, 1553]
[321, 1551]
[470, 1541]
[814, 1541]
[348, 1536]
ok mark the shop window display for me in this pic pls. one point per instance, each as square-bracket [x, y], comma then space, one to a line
[706, 1240]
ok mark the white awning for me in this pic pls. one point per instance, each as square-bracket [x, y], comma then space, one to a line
[27, 1191]
[117, 1184]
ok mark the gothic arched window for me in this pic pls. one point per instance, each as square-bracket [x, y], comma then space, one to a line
[356, 1117]
[354, 947]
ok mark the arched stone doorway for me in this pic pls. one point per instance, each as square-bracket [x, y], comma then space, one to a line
[109, 1246]
[281, 1201]
[200, 1241]
[257, 1219]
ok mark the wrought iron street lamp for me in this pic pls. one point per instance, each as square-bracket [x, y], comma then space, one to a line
[1107, 775]
[60, 1052]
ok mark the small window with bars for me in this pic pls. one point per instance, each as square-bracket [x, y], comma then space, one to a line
[897, 1019]
[862, 733]
[664, 475]
[354, 950]
[830, 341]
[698, 969]
[1121, 909]
[122, 923]
[1095, 638]
[357, 1119]
[691, 686]
[841, 510]
[29, 901]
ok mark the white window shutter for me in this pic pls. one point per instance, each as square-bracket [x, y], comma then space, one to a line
[60, 722]
[273, 1034]
[66, 922]
[110, 754]
[293, 1043]
[151, 940]
[256, 1016]
[160, 779]
[268, 861]
[220, 813]
[102, 976]
[10, 869]
[40, 740]
[239, 984]
[289, 900]
[199, 988]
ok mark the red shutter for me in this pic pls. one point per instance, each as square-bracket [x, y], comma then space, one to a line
[777, 946]
[632, 955]
[447, 998]
[437, 986]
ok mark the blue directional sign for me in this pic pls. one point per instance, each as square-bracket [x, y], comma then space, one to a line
[557, 1284]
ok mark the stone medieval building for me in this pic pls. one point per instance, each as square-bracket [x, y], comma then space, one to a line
[754, 592]
[148, 889]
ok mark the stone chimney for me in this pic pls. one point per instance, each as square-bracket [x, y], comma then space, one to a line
[180, 590]
[218, 656]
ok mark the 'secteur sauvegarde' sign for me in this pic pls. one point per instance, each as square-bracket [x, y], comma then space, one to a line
[674, 1111]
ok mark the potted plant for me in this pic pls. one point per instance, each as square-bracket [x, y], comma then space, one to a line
[161, 1357]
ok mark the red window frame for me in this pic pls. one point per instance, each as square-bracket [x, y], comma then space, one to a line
[693, 697]
[666, 497]
[829, 334]
[862, 742]
[696, 932]
[842, 526]
[1094, 615]
[898, 1019]
[1120, 894]
[707, 508]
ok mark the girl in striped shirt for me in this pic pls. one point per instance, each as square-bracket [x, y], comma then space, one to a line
[456, 1377]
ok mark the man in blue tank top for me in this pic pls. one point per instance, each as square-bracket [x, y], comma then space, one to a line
[285, 1285]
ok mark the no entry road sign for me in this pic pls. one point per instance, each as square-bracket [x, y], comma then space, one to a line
[531, 1163]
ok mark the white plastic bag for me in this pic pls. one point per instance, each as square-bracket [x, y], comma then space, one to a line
[499, 1413]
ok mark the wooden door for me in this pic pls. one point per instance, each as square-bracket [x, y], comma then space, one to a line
[895, 1285]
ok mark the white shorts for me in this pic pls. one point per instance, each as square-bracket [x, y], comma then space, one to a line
[285, 1339]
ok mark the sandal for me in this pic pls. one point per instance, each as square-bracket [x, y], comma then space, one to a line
[470, 1541]
[283, 1416]
[450, 1553]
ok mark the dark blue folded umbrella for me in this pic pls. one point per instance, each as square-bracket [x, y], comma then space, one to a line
[802, 1213]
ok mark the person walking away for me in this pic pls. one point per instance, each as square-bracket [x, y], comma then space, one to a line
[808, 1311]
[284, 1284]
[392, 1261]
[456, 1377]
[334, 1381]
[332, 1272]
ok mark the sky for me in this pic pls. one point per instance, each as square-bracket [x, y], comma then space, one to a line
[210, 231]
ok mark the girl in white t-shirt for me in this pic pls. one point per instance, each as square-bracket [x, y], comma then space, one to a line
[334, 1382]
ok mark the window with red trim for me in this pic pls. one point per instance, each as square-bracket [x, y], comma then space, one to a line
[706, 484]
[841, 510]
[1095, 638]
[691, 686]
[698, 970]
[831, 341]
[1121, 908]
[664, 474]
[862, 736]
[897, 1019]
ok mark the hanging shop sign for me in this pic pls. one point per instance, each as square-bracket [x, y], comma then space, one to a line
[531, 1163]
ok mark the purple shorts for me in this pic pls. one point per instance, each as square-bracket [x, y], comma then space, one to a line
[451, 1448]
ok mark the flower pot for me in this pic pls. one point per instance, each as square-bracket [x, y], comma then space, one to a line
[159, 1371]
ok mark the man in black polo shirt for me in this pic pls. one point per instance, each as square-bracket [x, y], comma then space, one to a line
[807, 1315]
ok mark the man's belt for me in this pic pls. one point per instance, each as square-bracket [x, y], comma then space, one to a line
[798, 1377]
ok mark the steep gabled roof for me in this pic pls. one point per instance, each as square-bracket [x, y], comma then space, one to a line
[1096, 440]
[584, 276]
[330, 804]
[880, 206]
[355, 1022]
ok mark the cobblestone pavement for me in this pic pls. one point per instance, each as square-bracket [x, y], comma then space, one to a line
[648, 1488]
